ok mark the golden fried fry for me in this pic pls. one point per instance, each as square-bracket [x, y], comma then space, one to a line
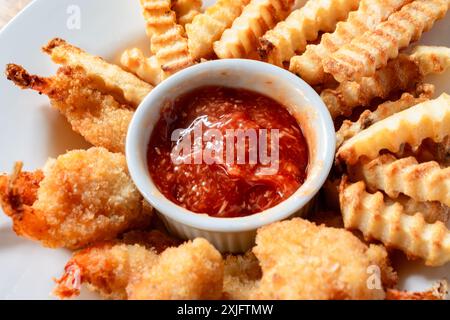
[192, 271]
[241, 39]
[186, 10]
[300, 260]
[431, 59]
[369, 14]
[401, 74]
[389, 224]
[350, 129]
[123, 86]
[302, 25]
[168, 42]
[148, 69]
[79, 198]
[241, 276]
[422, 182]
[432, 211]
[206, 28]
[430, 119]
[98, 117]
[372, 50]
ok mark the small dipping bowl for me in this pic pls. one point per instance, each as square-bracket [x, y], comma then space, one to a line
[234, 234]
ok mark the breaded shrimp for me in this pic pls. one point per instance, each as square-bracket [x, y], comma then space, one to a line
[97, 116]
[116, 270]
[300, 260]
[192, 271]
[108, 267]
[80, 198]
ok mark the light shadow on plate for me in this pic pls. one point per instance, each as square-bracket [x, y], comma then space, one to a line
[60, 135]
[8, 239]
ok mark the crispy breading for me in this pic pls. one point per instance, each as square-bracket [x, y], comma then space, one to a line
[426, 181]
[302, 25]
[186, 10]
[241, 39]
[97, 116]
[431, 59]
[388, 223]
[124, 86]
[372, 50]
[369, 14]
[79, 198]
[206, 28]
[430, 119]
[300, 260]
[192, 271]
[439, 291]
[401, 74]
[168, 42]
[109, 267]
[148, 69]
[350, 129]
[241, 276]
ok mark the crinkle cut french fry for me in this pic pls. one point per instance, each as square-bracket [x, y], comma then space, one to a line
[97, 116]
[389, 224]
[350, 129]
[372, 50]
[422, 182]
[206, 28]
[186, 10]
[148, 69]
[122, 85]
[168, 42]
[241, 39]
[431, 59]
[400, 74]
[430, 119]
[369, 14]
[302, 25]
[432, 210]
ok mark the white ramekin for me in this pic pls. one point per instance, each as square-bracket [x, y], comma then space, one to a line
[234, 234]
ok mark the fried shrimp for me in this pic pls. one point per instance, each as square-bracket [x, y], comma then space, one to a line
[301, 260]
[80, 198]
[116, 270]
[97, 116]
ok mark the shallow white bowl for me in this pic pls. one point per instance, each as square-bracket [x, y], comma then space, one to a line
[234, 234]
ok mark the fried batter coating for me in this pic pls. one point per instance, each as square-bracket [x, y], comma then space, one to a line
[192, 271]
[97, 116]
[388, 223]
[372, 50]
[438, 292]
[369, 14]
[109, 267]
[109, 78]
[300, 260]
[79, 198]
[241, 276]
[301, 26]
[241, 39]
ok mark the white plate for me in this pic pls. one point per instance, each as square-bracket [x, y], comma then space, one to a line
[32, 132]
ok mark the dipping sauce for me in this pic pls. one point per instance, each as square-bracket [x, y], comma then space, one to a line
[231, 186]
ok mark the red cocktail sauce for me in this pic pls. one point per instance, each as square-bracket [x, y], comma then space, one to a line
[227, 189]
